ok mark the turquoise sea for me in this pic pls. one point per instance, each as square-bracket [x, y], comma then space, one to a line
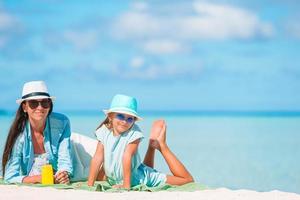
[237, 150]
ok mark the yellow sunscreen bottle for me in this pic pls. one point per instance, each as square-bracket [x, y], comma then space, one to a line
[47, 175]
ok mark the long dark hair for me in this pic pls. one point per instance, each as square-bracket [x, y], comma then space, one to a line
[15, 130]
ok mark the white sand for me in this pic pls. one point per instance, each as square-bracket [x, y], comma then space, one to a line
[12, 192]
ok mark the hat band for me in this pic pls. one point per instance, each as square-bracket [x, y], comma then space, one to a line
[35, 94]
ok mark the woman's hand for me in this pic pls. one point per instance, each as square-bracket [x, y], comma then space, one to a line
[32, 179]
[62, 177]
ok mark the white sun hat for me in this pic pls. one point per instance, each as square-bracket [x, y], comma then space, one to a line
[34, 90]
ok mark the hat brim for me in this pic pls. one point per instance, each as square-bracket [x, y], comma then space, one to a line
[106, 112]
[19, 101]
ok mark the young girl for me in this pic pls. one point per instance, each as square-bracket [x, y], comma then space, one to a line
[117, 150]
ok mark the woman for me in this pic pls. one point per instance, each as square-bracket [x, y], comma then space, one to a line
[37, 137]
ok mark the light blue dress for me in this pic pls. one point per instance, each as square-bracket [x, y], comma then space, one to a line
[114, 147]
[56, 143]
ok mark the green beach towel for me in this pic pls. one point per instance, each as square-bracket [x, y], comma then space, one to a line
[103, 186]
[83, 149]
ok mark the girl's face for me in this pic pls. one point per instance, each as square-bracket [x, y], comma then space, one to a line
[121, 122]
[37, 109]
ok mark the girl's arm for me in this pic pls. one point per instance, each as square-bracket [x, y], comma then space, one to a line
[129, 152]
[96, 163]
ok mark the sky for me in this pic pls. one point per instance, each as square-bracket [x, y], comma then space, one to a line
[169, 54]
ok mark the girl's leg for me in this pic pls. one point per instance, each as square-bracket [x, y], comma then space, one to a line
[153, 144]
[158, 141]
[149, 157]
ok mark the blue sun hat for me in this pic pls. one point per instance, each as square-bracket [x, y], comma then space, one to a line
[123, 104]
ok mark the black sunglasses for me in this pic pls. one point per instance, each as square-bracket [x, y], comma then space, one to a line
[45, 103]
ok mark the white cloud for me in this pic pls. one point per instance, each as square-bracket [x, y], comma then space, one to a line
[293, 29]
[167, 71]
[140, 6]
[9, 26]
[203, 21]
[82, 40]
[156, 71]
[3, 41]
[163, 47]
[6, 21]
[222, 22]
[137, 62]
[137, 24]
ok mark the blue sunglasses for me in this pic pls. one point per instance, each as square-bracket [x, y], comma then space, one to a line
[122, 117]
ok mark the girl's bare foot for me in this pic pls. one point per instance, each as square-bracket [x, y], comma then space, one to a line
[158, 134]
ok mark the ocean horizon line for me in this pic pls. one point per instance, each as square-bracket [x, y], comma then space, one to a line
[204, 113]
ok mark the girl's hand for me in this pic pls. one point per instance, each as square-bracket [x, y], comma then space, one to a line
[121, 187]
[62, 177]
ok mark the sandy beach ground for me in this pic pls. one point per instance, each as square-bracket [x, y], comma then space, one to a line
[24, 192]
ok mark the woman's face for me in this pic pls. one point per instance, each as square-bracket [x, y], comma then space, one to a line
[121, 122]
[37, 109]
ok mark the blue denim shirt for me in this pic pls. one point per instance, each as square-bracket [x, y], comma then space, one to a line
[56, 143]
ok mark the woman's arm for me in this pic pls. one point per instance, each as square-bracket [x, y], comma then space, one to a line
[96, 163]
[13, 166]
[64, 159]
[127, 157]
